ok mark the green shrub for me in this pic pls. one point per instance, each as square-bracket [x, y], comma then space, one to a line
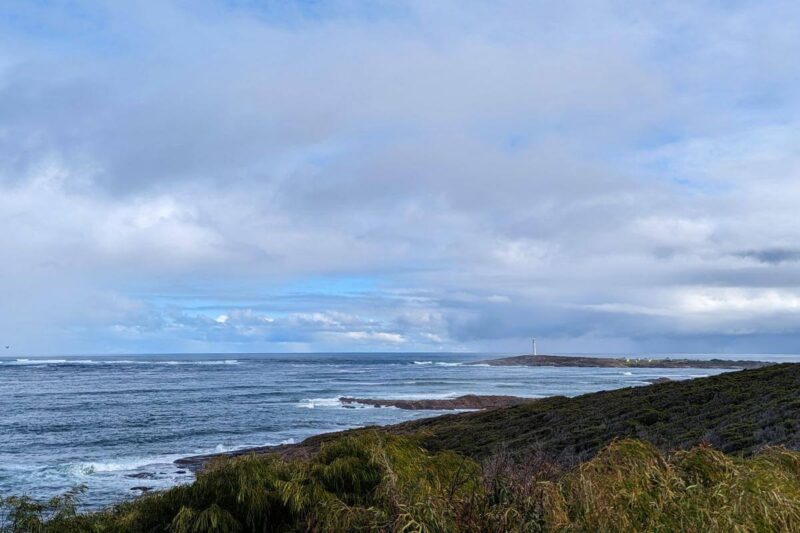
[630, 486]
[377, 482]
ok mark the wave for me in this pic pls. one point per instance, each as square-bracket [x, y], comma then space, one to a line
[336, 403]
[139, 464]
[362, 383]
[41, 362]
[221, 448]
[627, 373]
[437, 363]
[224, 362]
[313, 403]
[426, 396]
[37, 362]
[132, 464]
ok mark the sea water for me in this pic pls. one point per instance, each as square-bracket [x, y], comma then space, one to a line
[116, 424]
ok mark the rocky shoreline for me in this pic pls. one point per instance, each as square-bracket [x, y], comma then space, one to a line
[657, 381]
[468, 401]
[195, 463]
[308, 446]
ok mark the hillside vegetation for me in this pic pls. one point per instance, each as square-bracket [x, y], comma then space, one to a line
[736, 412]
[379, 482]
[510, 469]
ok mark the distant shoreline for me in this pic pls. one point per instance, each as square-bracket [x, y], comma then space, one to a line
[620, 362]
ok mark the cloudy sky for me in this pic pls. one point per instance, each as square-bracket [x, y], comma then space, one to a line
[221, 176]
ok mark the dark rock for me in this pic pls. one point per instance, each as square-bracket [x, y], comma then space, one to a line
[141, 475]
[469, 401]
[656, 381]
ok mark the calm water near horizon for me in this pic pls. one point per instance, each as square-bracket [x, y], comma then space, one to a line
[115, 423]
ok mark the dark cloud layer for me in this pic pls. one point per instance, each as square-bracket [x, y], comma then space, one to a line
[773, 256]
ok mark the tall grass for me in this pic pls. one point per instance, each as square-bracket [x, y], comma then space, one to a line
[378, 482]
[630, 486]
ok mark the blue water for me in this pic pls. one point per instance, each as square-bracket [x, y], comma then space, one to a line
[117, 423]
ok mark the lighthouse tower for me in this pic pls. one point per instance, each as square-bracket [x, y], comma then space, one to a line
[533, 346]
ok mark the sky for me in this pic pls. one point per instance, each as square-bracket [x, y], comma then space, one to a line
[280, 176]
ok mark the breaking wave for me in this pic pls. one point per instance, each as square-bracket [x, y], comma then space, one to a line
[41, 362]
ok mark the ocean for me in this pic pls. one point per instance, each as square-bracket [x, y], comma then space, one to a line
[115, 424]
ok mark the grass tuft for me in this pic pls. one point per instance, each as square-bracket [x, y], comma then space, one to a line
[379, 482]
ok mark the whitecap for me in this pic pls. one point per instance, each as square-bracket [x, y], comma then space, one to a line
[200, 363]
[123, 465]
[38, 361]
[313, 403]
[222, 448]
[34, 362]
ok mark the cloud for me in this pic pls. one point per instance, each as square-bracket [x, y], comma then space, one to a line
[604, 175]
[772, 256]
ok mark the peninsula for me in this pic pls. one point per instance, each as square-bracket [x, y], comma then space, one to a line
[620, 362]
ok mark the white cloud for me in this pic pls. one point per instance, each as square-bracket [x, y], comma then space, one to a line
[589, 171]
[378, 336]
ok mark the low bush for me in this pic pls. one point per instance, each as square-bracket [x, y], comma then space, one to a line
[379, 482]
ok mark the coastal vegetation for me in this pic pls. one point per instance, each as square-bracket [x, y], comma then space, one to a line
[711, 454]
[736, 412]
[380, 482]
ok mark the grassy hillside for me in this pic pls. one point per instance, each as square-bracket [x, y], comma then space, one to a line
[510, 469]
[380, 482]
[735, 412]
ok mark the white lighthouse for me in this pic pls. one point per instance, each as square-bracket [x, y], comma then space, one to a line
[533, 346]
